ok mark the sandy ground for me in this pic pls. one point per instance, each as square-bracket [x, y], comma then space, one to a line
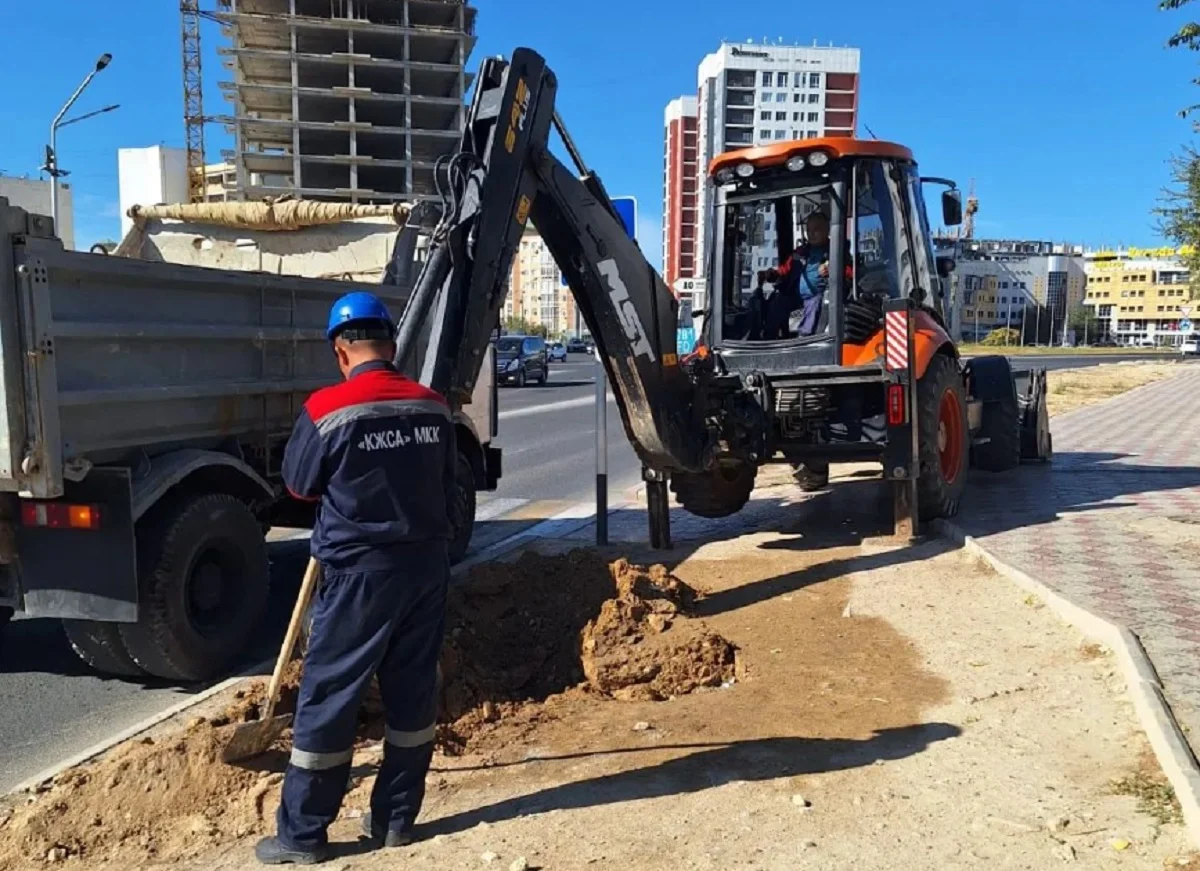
[883, 718]
[1072, 389]
[886, 709]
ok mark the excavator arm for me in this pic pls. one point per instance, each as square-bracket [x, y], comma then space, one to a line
[503, 175]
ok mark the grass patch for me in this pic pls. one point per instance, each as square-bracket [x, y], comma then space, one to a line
[1047, 351]
[1156, 798]
[1074, 388]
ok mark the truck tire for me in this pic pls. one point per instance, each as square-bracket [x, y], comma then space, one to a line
[203, 583]
[719, 492]
[462, 508]
[101, 647]
[942, 437]
[1001, 426]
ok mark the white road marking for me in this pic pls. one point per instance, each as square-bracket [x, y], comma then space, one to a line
[578, 402]
[494, 508]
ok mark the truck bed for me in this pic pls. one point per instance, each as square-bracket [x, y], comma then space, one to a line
[106, 358]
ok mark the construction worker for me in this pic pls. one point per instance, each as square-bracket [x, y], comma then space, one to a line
[377, 453]
[800, 282]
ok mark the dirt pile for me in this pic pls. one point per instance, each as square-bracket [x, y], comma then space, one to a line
[628, 651]
[518, 635]
[521, 634]
[153, 800]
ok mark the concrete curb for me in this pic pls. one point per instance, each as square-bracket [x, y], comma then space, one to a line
[1145, 687]
[560, 525]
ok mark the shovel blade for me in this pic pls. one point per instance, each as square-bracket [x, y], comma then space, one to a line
[247, 740]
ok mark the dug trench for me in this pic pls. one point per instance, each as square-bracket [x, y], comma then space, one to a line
[524, 639]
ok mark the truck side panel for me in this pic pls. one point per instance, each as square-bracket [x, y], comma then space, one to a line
[123, 355]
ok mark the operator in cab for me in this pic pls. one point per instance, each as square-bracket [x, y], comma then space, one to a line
[800, 282]
[377, 453]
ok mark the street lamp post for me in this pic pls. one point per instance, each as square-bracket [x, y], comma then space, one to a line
[51, 166]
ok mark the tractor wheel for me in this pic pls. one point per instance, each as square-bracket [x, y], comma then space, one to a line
[719, 492]
[1001, 426]
[943, 440]
[1036, 441]
[811, 476]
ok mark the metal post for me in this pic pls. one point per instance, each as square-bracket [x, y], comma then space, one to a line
[658, 504]
[905, 492]
[601, 452]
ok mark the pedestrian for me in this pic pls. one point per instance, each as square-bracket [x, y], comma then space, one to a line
[376, 452]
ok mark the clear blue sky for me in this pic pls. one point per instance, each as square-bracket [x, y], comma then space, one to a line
[1064, 111]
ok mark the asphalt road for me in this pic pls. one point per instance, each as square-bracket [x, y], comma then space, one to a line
[51, 706]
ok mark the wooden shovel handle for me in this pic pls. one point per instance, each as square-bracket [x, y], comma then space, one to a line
[293, 632]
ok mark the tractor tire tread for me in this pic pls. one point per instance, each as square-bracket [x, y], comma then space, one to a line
[1002, 427]
[936, 498]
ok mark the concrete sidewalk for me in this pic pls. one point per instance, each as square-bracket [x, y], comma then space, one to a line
[1113, 524]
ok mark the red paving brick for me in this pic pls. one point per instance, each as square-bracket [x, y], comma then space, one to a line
[1083, 524]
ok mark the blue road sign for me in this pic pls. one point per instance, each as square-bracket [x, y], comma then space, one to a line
[1185, 325]
[685, 338]
[627, 210]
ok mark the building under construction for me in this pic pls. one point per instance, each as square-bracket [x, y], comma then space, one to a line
[348, 100]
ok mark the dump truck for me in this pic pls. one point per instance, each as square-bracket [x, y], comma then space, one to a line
[147, 407]
[872, 376]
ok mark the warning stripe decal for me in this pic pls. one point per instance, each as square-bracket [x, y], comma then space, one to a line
[896, 338]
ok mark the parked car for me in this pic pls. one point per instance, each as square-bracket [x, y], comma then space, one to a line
[576, 346]
[1190, 348]
[521, 359]
[557, 352]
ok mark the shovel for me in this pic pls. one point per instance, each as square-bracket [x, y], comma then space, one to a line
[251, 739]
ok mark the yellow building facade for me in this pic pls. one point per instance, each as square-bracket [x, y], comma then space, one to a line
[1142, 294]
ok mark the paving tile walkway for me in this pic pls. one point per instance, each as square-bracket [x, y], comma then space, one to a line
[1113, 523]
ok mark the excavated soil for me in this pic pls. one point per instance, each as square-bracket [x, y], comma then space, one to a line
[519, 635]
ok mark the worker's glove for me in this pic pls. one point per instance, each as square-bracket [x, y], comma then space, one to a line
[823, 270]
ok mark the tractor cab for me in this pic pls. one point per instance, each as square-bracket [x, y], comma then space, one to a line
[807, 240]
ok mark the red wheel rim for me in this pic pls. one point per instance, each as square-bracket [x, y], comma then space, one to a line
[950, 436]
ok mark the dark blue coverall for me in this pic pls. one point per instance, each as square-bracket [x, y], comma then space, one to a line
[378, 452]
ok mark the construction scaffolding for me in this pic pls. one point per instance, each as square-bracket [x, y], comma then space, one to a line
[346, 100]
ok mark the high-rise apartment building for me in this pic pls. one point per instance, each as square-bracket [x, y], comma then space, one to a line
[680, 180]
[757, 94]
[536, 291]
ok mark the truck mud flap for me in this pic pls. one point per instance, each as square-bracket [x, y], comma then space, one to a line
[82, 574]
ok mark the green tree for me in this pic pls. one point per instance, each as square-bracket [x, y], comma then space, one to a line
[1178, 212]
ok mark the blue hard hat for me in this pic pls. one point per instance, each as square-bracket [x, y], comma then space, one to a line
[357, 307]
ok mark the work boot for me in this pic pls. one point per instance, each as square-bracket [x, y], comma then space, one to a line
[389, 838]
[811, 476]
[271, 851]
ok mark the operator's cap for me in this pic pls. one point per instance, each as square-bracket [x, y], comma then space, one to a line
[360, 315]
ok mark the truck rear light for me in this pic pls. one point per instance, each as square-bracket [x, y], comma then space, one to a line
[895, 405]
[60, 515]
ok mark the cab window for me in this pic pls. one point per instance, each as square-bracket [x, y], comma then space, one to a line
[875, 225]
